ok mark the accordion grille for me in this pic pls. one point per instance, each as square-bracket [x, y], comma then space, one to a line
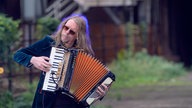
[87, 73]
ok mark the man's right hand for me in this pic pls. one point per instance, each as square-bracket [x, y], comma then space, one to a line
[41, 63]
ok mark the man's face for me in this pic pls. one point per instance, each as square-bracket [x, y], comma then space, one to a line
[69, 33]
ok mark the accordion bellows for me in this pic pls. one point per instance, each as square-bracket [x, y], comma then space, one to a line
[77, 73]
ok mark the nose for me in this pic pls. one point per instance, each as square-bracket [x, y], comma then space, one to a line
[68, 31]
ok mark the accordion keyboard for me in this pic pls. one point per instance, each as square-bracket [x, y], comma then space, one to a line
[51, 78]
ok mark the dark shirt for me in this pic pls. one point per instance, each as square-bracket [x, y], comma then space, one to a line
[43, 99]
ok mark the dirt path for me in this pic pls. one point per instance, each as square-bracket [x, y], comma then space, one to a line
[177, 96]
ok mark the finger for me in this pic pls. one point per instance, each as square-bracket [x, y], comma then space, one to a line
[102, 87]
[46, 64]
[46, 58]
[46, 69]
[46, 61]
[100, 91]
[105, 88]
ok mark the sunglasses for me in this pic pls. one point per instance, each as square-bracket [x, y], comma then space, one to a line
[70, 31]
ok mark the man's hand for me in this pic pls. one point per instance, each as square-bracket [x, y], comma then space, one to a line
[102, 90]
[41, 63]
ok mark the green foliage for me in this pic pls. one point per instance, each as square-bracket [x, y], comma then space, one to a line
[130, 32]
[26, 98]
[9, 30]
[46, 26]
[6, 100]
[143, 69]
[23, 100]
[9, 35]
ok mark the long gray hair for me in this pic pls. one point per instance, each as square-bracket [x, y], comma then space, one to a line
[83, 40]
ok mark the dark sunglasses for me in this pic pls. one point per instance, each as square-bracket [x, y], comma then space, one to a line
[70, 31]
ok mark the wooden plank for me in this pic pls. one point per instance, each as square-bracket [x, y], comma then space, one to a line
[95, 3]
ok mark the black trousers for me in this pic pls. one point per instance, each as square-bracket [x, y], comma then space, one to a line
[65, 101]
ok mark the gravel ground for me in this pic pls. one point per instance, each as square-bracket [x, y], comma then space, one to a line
[177, 96]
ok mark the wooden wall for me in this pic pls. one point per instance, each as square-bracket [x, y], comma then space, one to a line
[107, 37]
[107, 40]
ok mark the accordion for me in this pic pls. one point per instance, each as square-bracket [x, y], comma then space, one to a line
[77, 74]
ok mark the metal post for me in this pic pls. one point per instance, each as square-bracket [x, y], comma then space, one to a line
[10, 70]
[29, 15]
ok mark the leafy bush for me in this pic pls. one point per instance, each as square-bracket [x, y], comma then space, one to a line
[6, 100]
[25, 99]
[45, 26]
[143, 69]
[9, 34]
